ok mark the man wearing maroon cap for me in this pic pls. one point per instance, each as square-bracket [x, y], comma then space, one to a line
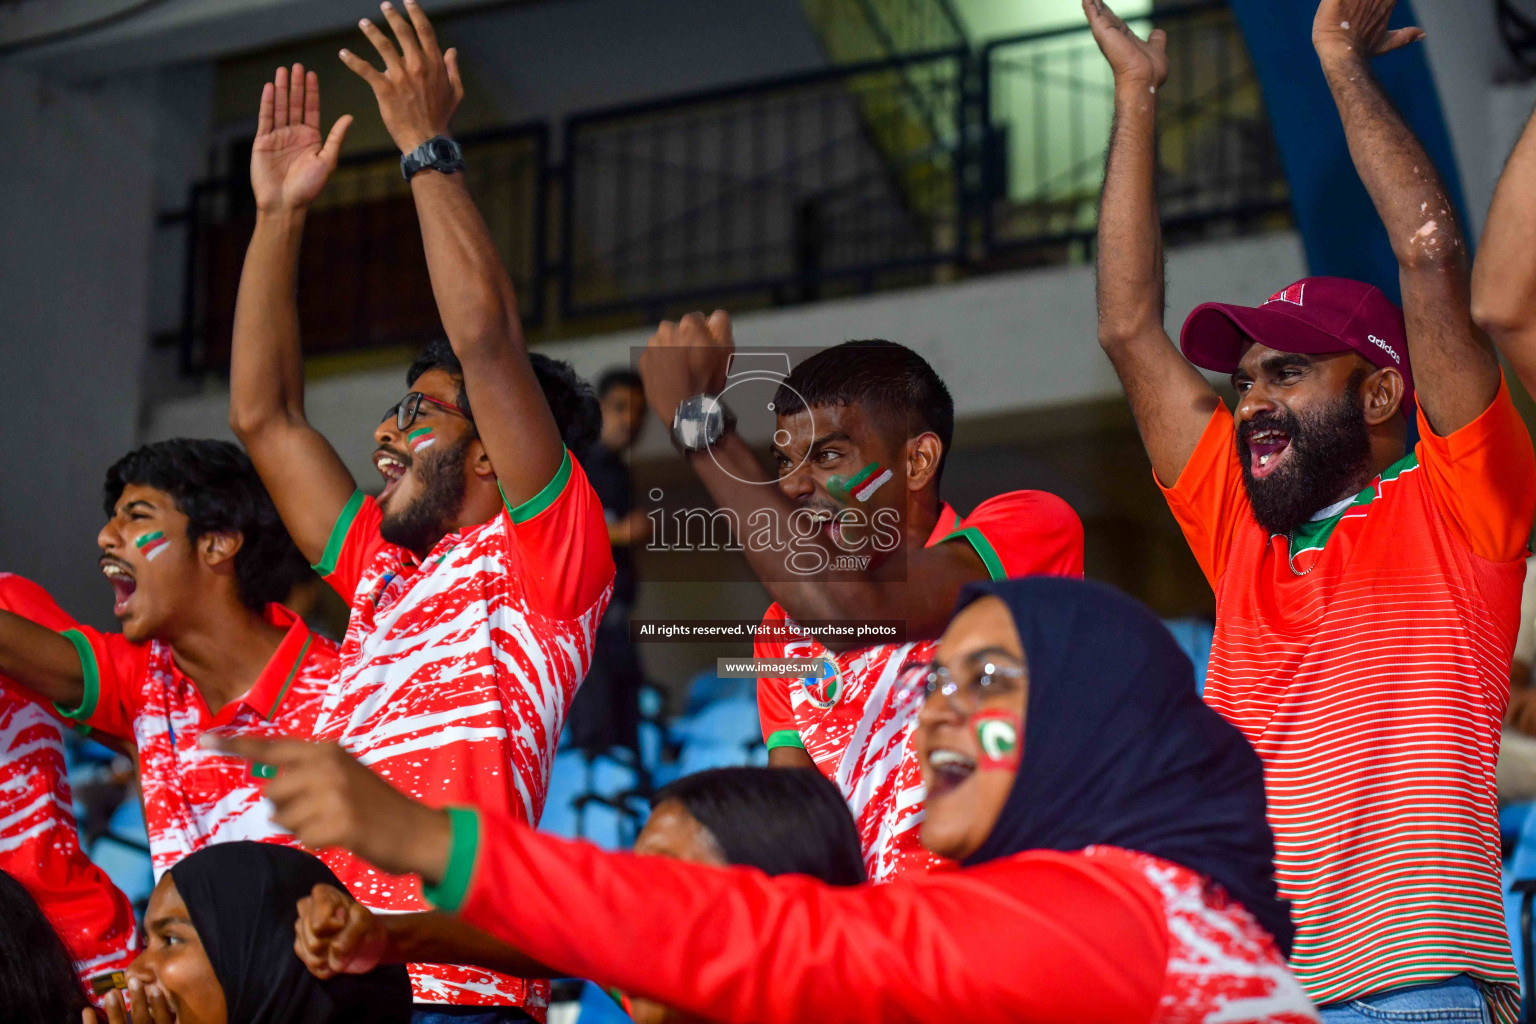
[1367, 595]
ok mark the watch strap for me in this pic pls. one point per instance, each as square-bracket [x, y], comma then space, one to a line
[427, 156]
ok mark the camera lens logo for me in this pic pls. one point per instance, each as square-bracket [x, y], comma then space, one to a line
[752, 381]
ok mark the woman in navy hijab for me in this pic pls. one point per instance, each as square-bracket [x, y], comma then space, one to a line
[1116, 863]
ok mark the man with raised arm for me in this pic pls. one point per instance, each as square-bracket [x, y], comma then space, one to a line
[197, 560]
[478, 575]
[863, 432]
[1367, 596]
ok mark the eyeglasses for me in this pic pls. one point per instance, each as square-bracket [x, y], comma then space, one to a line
[405, 410]
[920, 682]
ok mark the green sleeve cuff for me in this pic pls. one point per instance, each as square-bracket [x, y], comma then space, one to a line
[448, 895]
[545, 498]
[785, 738]
[327, 563]
[91, 673]
[983, 548]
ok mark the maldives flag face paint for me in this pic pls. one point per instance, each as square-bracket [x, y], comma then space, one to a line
[997, 734]
[151, 544]
[861, 486]
[419, 439]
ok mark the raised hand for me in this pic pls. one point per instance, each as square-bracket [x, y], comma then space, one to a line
[1135, 61]
[419, 88]
[335, 934]
[1358, 28]
[289, 163]
[325, 798]
[684, 359]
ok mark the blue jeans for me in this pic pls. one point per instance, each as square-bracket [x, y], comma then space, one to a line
[423, 1013]
[1453, 1001]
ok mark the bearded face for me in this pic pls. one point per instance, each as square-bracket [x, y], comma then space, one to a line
[431, 514]
[1294, 465]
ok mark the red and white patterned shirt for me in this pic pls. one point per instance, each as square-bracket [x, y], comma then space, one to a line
[456, 674]
[195, 797]
[850, 725]
[40, 847]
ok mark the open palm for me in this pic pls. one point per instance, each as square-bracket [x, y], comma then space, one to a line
[290, 161]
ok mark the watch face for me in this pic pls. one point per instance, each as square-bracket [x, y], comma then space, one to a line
[442, 151]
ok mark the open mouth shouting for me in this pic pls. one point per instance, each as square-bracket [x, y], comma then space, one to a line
[120, 575]
[947, 770]
[392, 466]
[1266, 450]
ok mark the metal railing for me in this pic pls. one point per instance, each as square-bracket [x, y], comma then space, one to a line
[779, 187]
[362, 273]
[853, 31]
[1049, 106]
[788, 190]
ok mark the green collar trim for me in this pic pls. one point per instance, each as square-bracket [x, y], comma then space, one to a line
[1314, 535]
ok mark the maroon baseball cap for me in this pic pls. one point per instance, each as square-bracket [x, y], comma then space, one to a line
[1316, 315]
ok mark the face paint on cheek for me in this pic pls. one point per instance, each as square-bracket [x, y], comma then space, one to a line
[420, 439]
[997, 734]
[861, 486]
[152, 544]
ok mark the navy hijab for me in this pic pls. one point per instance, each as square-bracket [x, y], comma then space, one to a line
[243, 900]
[1119, 750]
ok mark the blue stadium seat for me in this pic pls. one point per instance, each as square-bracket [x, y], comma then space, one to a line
[708, 688]
[567, 781]
[731, 722]
[1194, 638]
[598, 1007]
[123, 853]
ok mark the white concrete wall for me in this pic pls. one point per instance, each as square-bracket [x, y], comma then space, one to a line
[1004, 343]
[76, 214]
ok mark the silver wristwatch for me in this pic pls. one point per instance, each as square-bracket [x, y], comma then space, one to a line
[700, 423]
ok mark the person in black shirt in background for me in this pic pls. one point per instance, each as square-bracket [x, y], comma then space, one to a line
[606, 710]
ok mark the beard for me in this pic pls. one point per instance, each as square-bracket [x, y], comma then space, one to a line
[422, 523]
[1329, 452]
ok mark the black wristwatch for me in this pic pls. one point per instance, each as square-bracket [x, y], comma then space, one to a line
[439, 153]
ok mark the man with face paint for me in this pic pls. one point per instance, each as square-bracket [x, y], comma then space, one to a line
[197, 560]
[478, 575]
[1367, 595]
[863, 432]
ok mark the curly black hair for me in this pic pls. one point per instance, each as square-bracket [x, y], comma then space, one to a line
[215, 486]
[570, 398]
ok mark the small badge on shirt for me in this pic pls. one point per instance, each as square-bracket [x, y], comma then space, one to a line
[263, 771]
[823, 692]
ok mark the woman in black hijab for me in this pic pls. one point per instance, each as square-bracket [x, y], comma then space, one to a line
[220, 948]
[1117, 864]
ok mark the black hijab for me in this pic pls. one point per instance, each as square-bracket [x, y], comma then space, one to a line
[1119, 750]
[243, 901]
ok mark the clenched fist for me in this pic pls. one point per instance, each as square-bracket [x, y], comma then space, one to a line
[684, 359]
